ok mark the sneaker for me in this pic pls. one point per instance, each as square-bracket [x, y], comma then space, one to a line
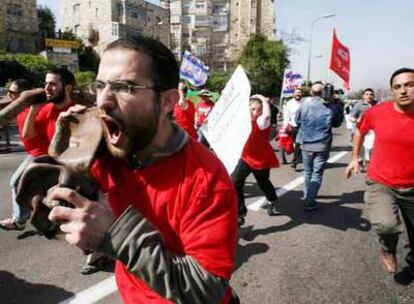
[12, 223]
[389, 261]
[272, 209]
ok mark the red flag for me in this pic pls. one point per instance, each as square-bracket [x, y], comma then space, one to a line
[340, 59]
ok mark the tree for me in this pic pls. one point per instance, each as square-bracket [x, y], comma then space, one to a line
[217, 81]
[265, 61]
[47, 22]
[34, 66]
[84, 79]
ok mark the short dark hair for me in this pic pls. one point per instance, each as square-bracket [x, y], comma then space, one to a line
[66, 76]
[400, 71]
[23, 84]
[164, 66]
[368, 90]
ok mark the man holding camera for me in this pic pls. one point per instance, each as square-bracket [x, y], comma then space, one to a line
[315, 119]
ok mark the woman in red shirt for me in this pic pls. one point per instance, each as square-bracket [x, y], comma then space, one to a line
[257, 157]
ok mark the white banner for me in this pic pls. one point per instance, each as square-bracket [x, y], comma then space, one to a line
[229, 123]
[291, 80]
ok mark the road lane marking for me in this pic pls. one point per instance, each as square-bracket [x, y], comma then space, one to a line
[261, 202]
[108, 286]
[94, 293]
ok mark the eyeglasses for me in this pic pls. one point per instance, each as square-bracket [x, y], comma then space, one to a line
[118, 87]
[13, 92]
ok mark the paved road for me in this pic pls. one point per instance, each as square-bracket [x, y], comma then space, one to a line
[329, 256]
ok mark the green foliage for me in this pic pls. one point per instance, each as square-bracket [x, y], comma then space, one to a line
[47, 22]
[88, 59]
[217, 81]
[35, 66]
[264, 61]
[84, 79]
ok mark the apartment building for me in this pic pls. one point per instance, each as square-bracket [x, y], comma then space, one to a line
[250, 17]
[216, 30]
[112, 19]
[18, 26]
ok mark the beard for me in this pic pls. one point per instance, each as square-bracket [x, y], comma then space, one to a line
[59, 98]
[138, 133]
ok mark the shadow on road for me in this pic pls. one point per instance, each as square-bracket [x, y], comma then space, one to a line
[245, 252]
[15, 290]
[341, 148]
[332, 214]
[27, 234]
[404, 277]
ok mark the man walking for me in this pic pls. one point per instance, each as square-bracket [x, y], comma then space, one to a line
[368, 100]
[315, 119]
[390, 178]
[289, 114]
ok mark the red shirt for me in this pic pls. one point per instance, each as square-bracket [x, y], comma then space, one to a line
[185, 118]
[34, 146]
[189, 197]
[203, 109]
[257, 152]
[47, 117]
[392, 162]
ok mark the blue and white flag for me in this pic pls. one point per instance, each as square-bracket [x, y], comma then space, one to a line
[193, 70]
[291, 80]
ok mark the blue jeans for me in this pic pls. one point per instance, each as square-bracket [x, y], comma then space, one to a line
[313, 165]
[20, 213]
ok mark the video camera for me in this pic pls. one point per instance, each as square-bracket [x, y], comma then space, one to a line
[330, 94]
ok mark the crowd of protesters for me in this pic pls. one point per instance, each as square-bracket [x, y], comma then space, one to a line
[163, 187]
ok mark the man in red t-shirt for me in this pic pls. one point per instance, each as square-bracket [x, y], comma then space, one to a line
[184, 112]
[257, 157]
[36, 126]
[169, 211]
[390, 180]
[203, 109]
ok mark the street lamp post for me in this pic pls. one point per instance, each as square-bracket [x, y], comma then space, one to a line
[310, 42]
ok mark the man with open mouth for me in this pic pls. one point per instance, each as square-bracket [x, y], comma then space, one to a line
[169, 211]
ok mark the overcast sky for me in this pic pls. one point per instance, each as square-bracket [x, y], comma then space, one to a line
[379, 34]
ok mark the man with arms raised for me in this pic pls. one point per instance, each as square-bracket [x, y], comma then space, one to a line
[390, 178]
[171, 222]
[36, 125]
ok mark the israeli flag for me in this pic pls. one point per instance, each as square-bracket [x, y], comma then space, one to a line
[193, 70]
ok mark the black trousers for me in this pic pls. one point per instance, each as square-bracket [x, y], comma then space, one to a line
[239, 176]
[297, 153]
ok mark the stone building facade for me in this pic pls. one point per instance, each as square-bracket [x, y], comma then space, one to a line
[250, 17]
[200, 26]
[18, 26]
[112, 19]
[216, 30]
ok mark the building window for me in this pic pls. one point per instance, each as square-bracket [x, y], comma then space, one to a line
[76, 29]
[200, 5]
[134, 15]
[15, 10]
[96, 12]
[76, 8]
[115, 29]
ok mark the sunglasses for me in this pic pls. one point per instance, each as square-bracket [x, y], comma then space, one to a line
[13, 92]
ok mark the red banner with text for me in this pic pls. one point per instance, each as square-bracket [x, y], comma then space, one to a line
[340, 60]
